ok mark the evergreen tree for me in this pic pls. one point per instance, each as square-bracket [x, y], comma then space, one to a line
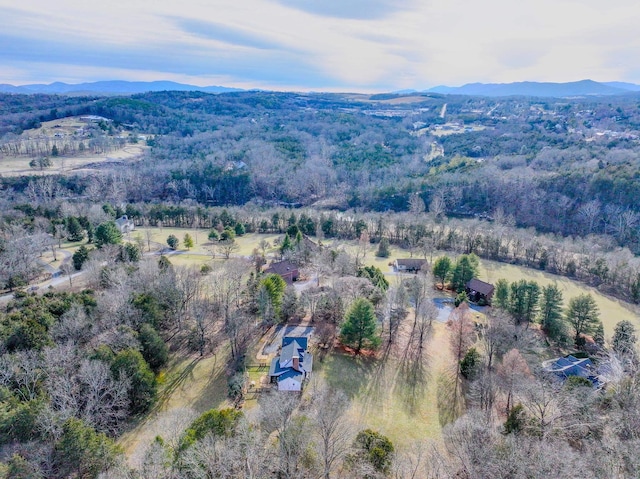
[173, 241]
[80, 257]
[550, 315]
[154, 349]
[501, 294]
[130, 364]
[291, 308]
[273, 286]
[523, 300]
[624, 338]
[107, 233]
[188, 241]
[375, 449]
[442, 268]
[75, 231]
[582, 314]
[383, 250]
[375, 275]
[239, 229]
[360, 327]
[286, 245]
[465, 269]
[82, 452]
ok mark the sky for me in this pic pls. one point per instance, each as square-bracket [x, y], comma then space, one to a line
[320, 45]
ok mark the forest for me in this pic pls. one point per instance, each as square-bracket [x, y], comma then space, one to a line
[91, 363]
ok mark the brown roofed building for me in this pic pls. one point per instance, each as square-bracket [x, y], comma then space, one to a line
[409, 265]
[285, 269]
[479, 290]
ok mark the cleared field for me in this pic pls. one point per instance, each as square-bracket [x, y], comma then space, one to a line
[19, 166]
[611, 310]
[190, 386]
[158, 236]
[400, 400]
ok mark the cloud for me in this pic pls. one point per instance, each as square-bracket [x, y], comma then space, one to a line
[367, 45]
[351, 9]
[225, 33]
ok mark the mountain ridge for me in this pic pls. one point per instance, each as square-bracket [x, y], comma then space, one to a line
[111, 87]
[541, 89]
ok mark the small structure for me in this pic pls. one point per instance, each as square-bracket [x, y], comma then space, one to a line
[479, 291]
[285, 269]
[125, 225]
[409, 265]
[293, 366]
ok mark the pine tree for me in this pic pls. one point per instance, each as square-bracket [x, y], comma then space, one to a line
[360, 326]
[582, 314]
[550, 316]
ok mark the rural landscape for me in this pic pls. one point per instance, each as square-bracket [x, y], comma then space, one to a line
[256, 284]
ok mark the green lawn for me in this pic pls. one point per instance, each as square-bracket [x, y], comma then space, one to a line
[611, 310]
[399, 400]
[190, 386]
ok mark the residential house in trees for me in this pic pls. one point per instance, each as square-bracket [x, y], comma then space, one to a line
[285, 269]
[479, 291]
[293, 366]
[409, 265]
[125, 225]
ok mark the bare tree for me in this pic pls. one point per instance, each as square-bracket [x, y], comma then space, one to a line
[511, 372]
[333, 430]
[461, 337]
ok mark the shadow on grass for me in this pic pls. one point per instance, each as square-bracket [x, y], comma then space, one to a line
[350, 374]
[449, 407]
[412, 381]
[174, 383]
[215, 392]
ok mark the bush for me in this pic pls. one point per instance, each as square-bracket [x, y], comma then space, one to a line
[173, 241]
[574, 382]
[374, 448]
[220, 423]
[515, 420]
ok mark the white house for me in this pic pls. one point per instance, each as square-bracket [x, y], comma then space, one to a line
[125, 225]
[293, 366]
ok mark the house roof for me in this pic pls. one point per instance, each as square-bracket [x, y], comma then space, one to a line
[411, 263]
[123, 220]
[480, 286]
[293, 374]
[302, 341]
[282, 268]
[290, 351]
[571, 366]
[292, 347]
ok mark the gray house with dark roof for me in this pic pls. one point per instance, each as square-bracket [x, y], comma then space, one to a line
[409, 265]
[293, 366]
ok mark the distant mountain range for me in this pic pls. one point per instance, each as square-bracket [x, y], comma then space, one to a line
[578, 88]
[110, 88]
[539, 89]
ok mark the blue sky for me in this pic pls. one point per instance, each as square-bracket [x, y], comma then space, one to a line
[330, 45]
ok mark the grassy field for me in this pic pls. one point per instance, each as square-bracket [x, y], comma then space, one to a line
[190, 386]
[19, 165]
[611, 310]
[401, 401]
